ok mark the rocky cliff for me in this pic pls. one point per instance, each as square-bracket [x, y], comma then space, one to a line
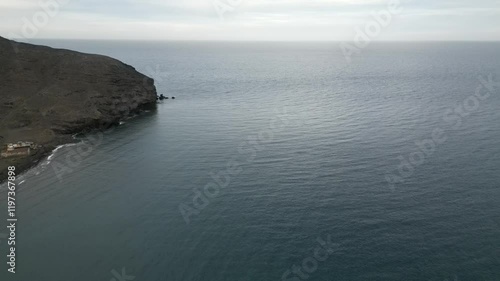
[48, 94]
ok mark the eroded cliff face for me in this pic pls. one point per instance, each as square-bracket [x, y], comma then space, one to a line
[48, 93]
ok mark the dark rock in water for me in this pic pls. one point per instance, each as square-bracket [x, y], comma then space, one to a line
[173, 98]
[48, 94]
[162, 97]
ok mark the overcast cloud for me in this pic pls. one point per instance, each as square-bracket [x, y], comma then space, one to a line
[319, 20]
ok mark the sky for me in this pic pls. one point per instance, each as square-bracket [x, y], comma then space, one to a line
[252, 20]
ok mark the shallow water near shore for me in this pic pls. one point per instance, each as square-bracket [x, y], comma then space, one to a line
[303, 144]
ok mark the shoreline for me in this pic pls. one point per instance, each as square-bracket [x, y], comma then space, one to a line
[24, 164]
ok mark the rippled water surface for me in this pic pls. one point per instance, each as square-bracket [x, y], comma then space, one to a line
[293, 145]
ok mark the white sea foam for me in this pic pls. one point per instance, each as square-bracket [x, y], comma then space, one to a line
[59, 147]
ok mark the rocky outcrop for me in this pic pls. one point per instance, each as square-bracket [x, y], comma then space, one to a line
[47, 94]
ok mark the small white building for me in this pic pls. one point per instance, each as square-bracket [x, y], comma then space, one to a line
[10, 147]
[20, 144]
[21, 148]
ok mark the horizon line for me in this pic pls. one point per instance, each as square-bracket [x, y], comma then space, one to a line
[256, 41]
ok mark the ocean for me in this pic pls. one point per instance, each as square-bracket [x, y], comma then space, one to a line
[277, 161]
